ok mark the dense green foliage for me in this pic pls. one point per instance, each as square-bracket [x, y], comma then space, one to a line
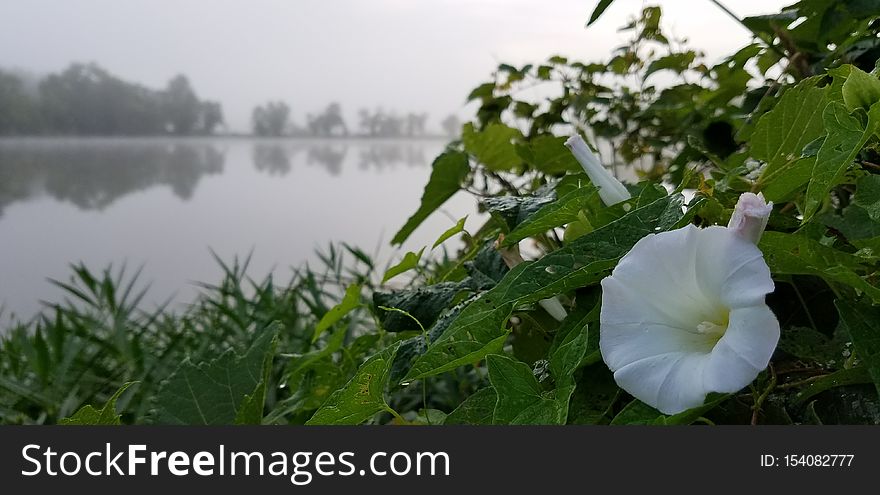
[85, 99]
[795, 115]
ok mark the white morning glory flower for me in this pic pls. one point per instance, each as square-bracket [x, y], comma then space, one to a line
[683, 313]
[610, 189]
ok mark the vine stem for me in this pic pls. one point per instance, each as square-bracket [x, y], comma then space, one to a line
[394, 413]
[761, 398]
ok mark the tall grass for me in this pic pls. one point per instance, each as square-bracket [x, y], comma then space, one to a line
[80, 350]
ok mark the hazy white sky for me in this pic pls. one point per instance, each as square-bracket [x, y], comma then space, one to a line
[419, 55]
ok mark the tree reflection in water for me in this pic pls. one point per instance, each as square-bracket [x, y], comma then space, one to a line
[93, 173]
[276, 157]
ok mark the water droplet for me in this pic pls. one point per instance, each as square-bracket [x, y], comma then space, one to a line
[550, 269]
[627, 207]
[405, 384]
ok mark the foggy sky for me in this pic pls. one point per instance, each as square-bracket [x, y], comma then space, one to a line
[404, 55]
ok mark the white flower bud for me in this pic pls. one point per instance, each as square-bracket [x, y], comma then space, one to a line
[610, 189]
[512, 257]
[750, 216]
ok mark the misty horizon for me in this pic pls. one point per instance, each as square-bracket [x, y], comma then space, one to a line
[383, 55]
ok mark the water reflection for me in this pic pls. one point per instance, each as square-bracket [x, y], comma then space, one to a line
[276, 157]
[328, 156]
[380, 157]
[92, 174]
[186, 196]
[272, 159]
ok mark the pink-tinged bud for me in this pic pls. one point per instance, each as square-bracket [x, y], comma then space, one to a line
[750, 216]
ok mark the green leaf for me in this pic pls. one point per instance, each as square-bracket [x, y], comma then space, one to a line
[568, 348]
[860, 90]
[691, 415]
[862, 321]
[455, 229]
[301, 363]
[251, 410]
[521, 399]
[850, 376]
[597, 12]
[639, 413]
[846, 136]
[792, 179]
[424, 304]
[810, 345]
[448, 171]
[592, 401]
[88, 415]
[482, 92]
[414, 347]
[362, 397]
[410, 260]
[792, 254]
[480, 328]
[549, 155]
[768, 23]
[678, 62]
[855, 224]
[214, 392]
[312, 377]
[477, 409]
[351, 300]
[510, 211]
[782, 133]
[494, 147]
[868, 195]
[560, 212]
[487, 268]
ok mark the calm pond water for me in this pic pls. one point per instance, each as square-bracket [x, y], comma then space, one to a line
[165, 203]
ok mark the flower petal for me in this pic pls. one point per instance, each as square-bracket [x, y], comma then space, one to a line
[625, 343]
[656, 282]
[752, 334]
[731, 271]
[743, 351]
[670, 382]
[683, 388]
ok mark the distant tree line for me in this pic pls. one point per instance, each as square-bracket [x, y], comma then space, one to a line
[273, 119]
[85, 99]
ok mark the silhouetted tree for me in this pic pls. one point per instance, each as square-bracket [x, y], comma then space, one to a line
[392, 126]
[370, 122]
[270, 119]
[211, 116]
[19, 113]
[328, 122]
[85, 99]
[182, 106]
[381, 124]
[415, 123]
[451, 125]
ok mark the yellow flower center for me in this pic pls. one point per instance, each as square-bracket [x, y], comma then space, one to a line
[714, 329]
